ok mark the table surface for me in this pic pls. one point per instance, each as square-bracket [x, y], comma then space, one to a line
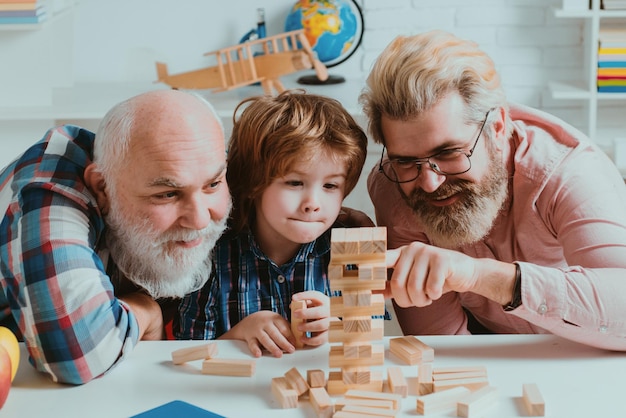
[575, 380]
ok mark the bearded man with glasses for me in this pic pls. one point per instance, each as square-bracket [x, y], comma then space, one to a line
[501, 218]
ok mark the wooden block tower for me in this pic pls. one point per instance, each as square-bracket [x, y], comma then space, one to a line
[363, 248]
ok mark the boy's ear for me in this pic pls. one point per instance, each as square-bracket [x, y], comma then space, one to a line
[96, 184]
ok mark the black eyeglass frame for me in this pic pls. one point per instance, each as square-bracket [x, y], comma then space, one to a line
[420, 161]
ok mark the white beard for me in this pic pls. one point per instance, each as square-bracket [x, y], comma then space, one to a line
[151, 261]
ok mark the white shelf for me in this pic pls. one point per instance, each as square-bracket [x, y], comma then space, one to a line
[92, 101]
[585, 90]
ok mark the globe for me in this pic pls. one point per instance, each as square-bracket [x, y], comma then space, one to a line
[334, 28]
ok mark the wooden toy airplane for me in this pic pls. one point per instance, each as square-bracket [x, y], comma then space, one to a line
[238, 66]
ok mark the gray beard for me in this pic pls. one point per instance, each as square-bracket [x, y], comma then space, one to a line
[468, 220]
[145, 259]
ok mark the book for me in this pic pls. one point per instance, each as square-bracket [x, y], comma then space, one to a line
[19, 1]
[611, 64]
[177, 409]
[20, 6]
[612, 89]
[22, 20]
[22, 13]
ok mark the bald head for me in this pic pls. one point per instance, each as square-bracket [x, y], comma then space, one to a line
[151, 120]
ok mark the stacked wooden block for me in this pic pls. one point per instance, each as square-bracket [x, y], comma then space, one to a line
[366, 249]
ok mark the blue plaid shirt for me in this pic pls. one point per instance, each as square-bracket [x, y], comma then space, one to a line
[245, 281]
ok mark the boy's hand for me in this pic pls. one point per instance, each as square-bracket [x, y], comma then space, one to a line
[264, 329]
[316, 316]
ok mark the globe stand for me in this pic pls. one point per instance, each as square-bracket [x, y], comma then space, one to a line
[313, 80]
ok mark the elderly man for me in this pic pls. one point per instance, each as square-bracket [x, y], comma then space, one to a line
[505, 218]
[97, 230]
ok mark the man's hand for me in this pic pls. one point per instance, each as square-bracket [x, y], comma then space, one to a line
[316, 316]
[264, 329]
[423, 273]
[148, 314]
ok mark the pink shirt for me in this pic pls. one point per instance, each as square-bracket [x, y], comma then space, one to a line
[565, 223]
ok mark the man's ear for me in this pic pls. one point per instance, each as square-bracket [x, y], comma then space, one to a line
[96, 184]
[499, 127]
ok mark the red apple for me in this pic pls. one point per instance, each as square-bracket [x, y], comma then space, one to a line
[5, 375]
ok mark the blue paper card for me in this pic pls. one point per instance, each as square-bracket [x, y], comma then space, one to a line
[177, 409]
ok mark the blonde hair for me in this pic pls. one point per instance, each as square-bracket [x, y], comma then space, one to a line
[274, 134]
[414, 73]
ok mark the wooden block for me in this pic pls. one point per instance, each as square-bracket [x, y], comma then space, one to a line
[535, 405]
[321, 402]
[357, 350]
[396, 381]
[335, 271]
[411, 350]
[365, 411]
[472, 383]
[339, 308]
[296, 381]
[229, 367]
[441, 401]
[477, 402]
[356, 298]
[373, 240]
[199, 352]
[357, 324]
[356, 258]
[337, 239]
[370, 403]
[442, 373]
[295, 305]
[316, 378]
[286, 397]
[336, 358]
[351, 284]
[357, 376]
[336, 334]
[351, 243]
[336, 386]
[363, 394]
[425, 379]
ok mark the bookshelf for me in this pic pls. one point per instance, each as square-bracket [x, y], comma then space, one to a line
[585, 89]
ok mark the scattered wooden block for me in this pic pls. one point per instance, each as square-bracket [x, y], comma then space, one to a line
[228, 367]
[336, 386]
[321, 402]
[296, 381]
[472, 383]
[363, 394]
[411, 350]
[199, 352]
[370, 403]
[295, 322]
[425, 379]
[535, 405]
[441, 401]
[365, 411]
[357, 376]
[477, 402]
[316, 378]
[286, 397]
[396, 381]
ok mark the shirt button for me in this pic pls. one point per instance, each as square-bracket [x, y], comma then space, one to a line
[603, 329]
[281, 279]
[543, 308]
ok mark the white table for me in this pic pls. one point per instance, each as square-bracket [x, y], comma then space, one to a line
[575, 380]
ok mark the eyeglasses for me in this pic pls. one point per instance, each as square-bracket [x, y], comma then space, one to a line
[448, 162]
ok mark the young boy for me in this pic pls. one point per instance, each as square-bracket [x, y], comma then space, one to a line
[291, 161]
